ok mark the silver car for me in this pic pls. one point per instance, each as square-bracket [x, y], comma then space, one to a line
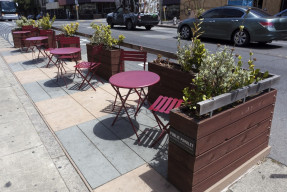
[224, 23]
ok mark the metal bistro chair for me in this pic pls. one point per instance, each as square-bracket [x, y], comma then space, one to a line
[163, 105]
[131, 56]
[90, 66]
[70, 42]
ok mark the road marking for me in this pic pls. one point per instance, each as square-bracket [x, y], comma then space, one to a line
[156, 36]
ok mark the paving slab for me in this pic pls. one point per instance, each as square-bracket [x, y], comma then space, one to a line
[89, 160]
[266, 176]
[36, 92]
[19, 174]
[117, 152]
[142, 179]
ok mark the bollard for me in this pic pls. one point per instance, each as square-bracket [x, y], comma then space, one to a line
[174, 21]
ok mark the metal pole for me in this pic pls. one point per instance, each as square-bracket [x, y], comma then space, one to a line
[160, 11]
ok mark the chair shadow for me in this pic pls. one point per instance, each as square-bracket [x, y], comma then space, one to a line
[121, 130]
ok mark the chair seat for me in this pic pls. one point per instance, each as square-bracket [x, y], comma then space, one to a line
[49, 49]
[165, 104]
[86, 65]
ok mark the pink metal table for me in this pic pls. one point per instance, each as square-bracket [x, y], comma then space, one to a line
[133, 80]
[37, 42]
[65, 51]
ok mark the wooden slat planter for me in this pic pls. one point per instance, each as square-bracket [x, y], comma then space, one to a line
[16, 38]
[201, 152]
[110, 62]
[172, 82]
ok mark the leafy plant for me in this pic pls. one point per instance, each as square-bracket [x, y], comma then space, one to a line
[218, 74]
[23, 21]
[70, 29]
[190, 56]
[103, 36]
[45, 22]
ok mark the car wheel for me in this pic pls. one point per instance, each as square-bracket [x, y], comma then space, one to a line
[148, 27]
[110, 23]
[241, 38]
[185, 32]
[129, 25]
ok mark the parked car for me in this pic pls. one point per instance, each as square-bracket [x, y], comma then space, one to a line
[224, 22]
[281, 14]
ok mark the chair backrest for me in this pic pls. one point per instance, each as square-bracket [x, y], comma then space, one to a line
[57, 39]
[50, 35]
[69, 41]
[27, 27]
[133, 56]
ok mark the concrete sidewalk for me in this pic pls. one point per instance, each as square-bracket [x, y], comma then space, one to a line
[58, 138]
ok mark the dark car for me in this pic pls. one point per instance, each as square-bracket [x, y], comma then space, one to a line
[224, 23]
[282, 13]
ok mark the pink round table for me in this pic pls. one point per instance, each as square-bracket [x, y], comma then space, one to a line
[133, 80]
[37, 42]
[65, 51]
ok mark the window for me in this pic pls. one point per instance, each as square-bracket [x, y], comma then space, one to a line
[231, 13]
[216, 13]
[284, 14]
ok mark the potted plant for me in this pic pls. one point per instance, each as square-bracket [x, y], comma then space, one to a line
[69, 32]
[224, 121]
[174, 77]
[110, 56]
[45, 24]
[23, 21]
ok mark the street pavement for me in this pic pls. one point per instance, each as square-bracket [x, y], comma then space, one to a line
[58, 138]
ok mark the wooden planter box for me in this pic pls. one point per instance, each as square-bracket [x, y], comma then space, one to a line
[110, 60]
[172, 82]
[16, 38]
[202, 152]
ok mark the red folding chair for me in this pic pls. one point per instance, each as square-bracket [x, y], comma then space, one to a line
[163, 105]
[34, 32]
[90, 66]
[70, 42]
[131, 56]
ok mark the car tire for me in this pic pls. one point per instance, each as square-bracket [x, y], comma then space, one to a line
[185, 32]
[241, 38]
[129, 25]
[148, 27]
[110, 23]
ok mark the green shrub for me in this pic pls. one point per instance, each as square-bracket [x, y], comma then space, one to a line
[103, 36]
[23, 21]
[70, 29]
[45, 22]
[219, 73]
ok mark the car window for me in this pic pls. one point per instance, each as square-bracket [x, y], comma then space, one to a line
[259, 12]
[216, 13]
[284, 14]
[231, 13]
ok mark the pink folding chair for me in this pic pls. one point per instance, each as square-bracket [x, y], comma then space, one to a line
[163, 105]
[90, 66]
[70, 42]
[131, 56]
